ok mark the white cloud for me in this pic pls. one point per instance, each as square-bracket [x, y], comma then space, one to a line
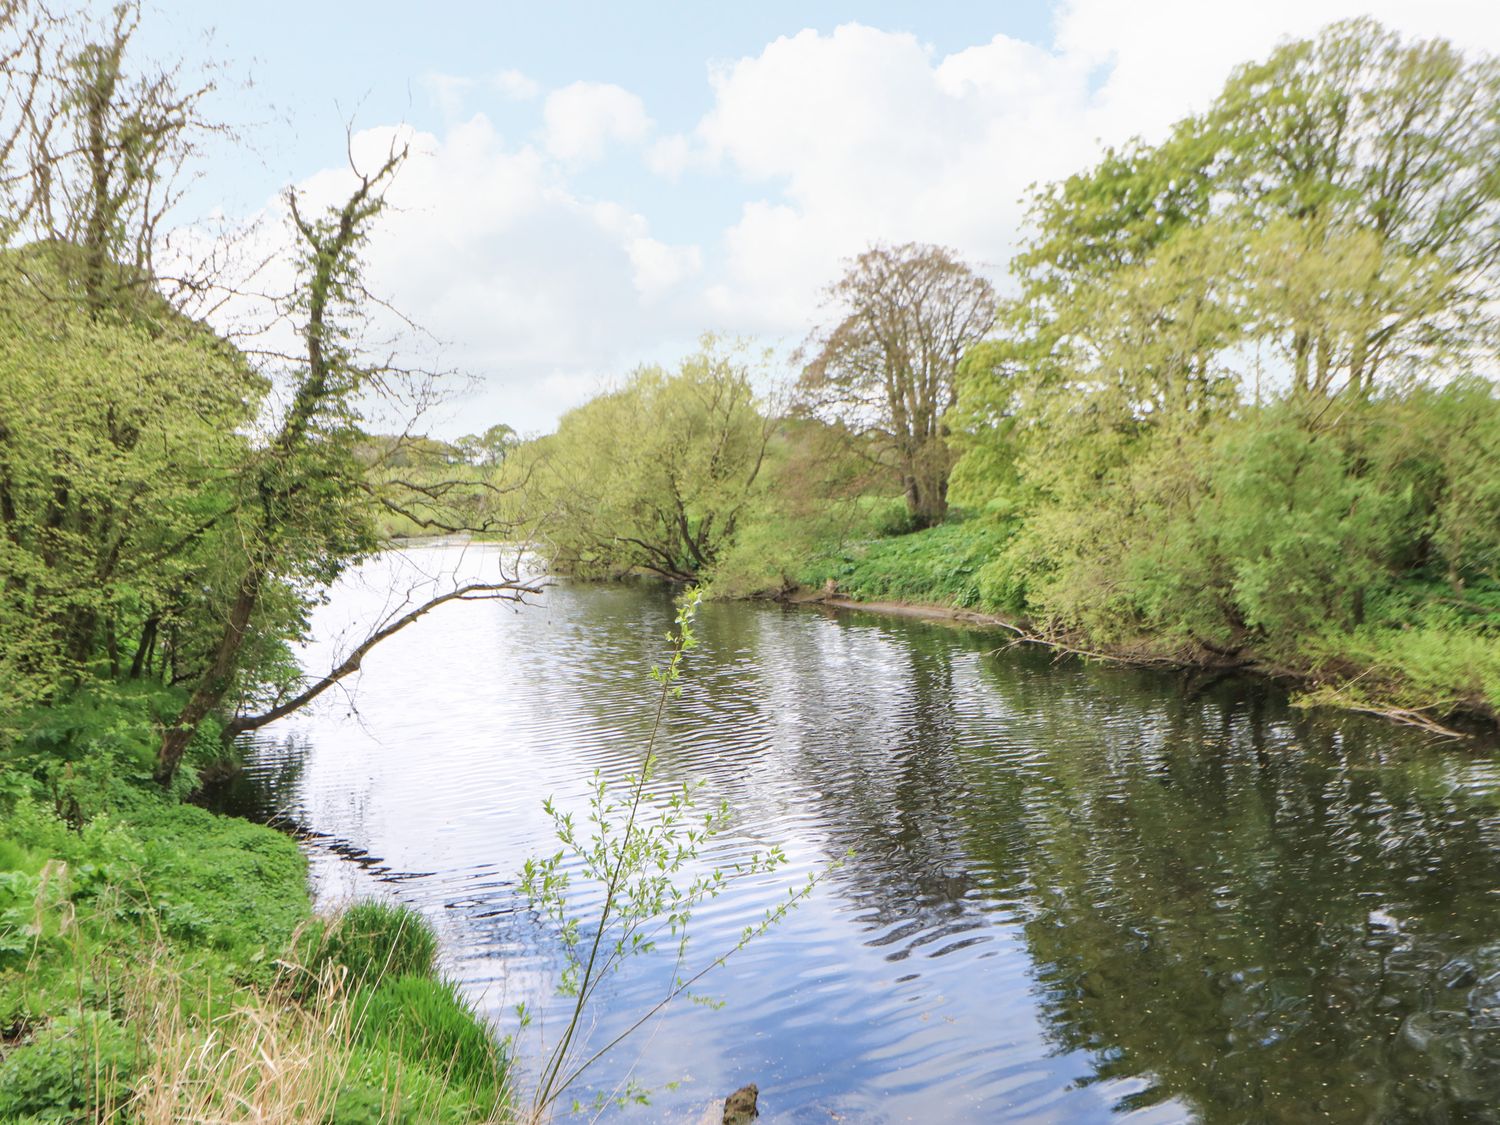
[583, 118]
[1170, 57]
[515, 85]
[534, 290]
[670, 156]
[448, 92]
[868, 136]
[451, 93]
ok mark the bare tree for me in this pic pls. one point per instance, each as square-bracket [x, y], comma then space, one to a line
[886, 369]
[94, 146]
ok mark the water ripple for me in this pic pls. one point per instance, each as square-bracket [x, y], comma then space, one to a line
[1075, 894]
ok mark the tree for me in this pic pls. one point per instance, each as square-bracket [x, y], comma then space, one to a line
[656, 475]
[119, 416]
[93, 144]
[309, 509]
[119, 437]
[162, 517]
[1330, 227]
[489, 448]
[1353, 177]
[1372, 160]
[887, 367]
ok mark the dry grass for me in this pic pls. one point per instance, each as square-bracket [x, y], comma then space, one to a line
[266, 1060]
[273, 1060]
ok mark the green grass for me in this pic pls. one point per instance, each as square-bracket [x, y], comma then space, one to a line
[426, 1022]
[159, 956]
[372, 940]
[939, 565]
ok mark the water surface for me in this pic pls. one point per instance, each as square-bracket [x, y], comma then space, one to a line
[1077, 893]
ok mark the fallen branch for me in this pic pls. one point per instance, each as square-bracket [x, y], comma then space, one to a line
[1406, 716]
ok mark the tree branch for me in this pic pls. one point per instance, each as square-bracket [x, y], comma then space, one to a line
[513, 591]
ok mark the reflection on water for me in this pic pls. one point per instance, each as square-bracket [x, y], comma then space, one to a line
[1078, 893]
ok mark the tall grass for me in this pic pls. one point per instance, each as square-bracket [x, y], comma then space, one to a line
[356, 1032]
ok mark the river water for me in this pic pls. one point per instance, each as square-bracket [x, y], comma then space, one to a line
[1077, 893]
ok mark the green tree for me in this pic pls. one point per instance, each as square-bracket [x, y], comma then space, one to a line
[120, 418]
[655, 476]
[1359, 144]
[490, 447]
[119, 435]
[309, 505]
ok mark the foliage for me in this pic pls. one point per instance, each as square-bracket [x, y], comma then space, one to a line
[939, 565]
[89, 751]
[490, 447]
[1230, 409]
[149, 965]
[164, 518]
[117, 439]
[819, 492]
[1318, 546]
[76, 1066]
[657, 475]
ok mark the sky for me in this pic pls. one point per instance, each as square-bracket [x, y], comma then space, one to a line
[594, 185]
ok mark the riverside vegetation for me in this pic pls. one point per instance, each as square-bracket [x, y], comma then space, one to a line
[1237, 409]
[169, 508]
[173, 507]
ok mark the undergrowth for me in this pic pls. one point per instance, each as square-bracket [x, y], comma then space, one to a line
[939, 565]
[160, 963]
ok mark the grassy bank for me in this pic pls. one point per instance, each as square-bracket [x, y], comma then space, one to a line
[1420, 651]
[161, 963]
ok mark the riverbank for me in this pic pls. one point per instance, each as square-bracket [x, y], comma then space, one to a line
[1437, 671]
[160, 962]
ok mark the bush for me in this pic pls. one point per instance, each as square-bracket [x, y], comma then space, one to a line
[223, 882]
[890, 516]
[94, 751]
[75, 1067]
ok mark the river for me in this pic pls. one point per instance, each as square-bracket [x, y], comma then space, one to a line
[1076, 892]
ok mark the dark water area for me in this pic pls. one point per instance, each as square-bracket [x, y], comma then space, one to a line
[1077, 893]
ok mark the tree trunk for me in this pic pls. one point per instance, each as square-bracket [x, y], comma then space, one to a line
[926, 484]
[143, 649]
[214, 682]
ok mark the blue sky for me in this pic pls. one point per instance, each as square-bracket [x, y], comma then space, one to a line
[324, 62]
[595, 184]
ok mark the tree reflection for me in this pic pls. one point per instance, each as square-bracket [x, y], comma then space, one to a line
[1274, 918]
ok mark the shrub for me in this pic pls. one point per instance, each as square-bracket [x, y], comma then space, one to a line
[192, 855]
[94, 751]
[75, 1067]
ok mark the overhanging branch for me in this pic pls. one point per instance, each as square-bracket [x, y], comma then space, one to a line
[513, 591]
